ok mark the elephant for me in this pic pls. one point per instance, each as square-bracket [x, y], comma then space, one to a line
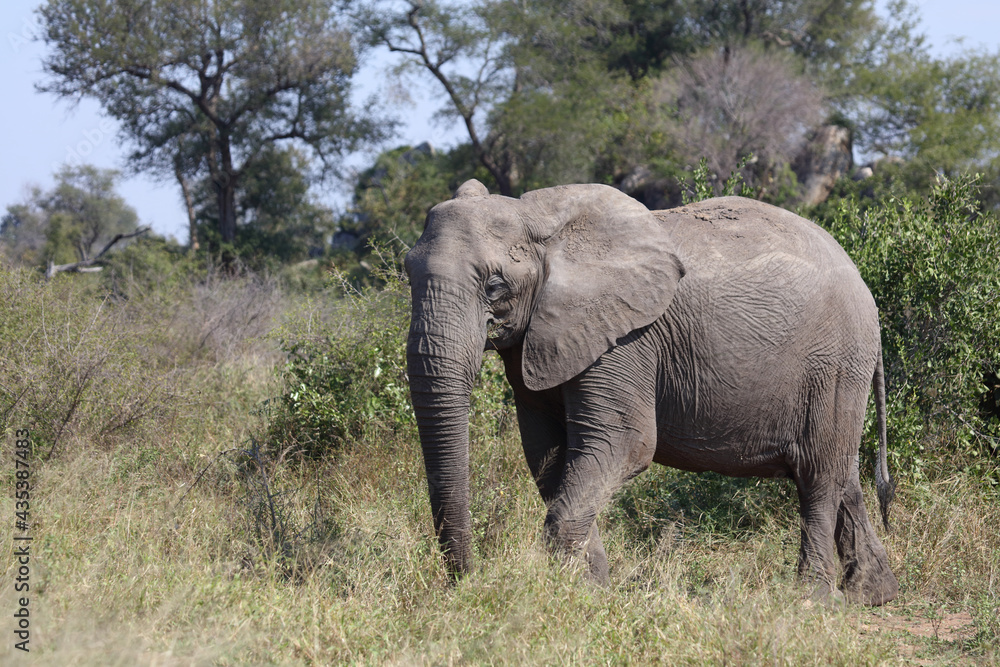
[727, 335]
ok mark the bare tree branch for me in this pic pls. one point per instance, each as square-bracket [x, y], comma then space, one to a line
[465, 108]
[82, 266]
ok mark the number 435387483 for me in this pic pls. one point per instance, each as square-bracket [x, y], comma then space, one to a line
[22, 472]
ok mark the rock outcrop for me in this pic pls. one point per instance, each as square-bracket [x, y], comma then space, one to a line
[653, 191]
[825, 158]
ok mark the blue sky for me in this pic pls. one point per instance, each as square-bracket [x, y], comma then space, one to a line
[40, 132]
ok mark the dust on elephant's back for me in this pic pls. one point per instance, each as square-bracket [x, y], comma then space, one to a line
[739, 230]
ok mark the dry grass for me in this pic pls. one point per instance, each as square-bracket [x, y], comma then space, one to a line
[125, 575]
[133, 566]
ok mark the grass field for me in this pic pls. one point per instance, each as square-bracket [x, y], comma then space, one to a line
[171, 528]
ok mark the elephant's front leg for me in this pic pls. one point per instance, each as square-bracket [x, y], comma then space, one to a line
[543, 436]
[611, 437]
[541, 420]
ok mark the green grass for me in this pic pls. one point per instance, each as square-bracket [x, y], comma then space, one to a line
[135, 566]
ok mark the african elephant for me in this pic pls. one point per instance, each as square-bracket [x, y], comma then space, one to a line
[727, 335]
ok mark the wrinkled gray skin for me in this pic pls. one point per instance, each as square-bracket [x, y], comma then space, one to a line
[727, 335]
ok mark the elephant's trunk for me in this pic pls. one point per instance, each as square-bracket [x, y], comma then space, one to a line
[442, 363]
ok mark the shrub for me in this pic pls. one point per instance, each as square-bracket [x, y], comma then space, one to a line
[105, 358]
[345, 379]
[702, 188]
[931, 265]
[151, 264]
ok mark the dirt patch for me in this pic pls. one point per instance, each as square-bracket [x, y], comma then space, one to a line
[946, 627]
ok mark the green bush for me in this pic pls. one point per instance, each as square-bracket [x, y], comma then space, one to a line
[932, 266]
[702, 188]
[346, 380]
[151, 264]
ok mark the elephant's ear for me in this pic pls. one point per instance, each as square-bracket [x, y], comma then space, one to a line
[608, 271]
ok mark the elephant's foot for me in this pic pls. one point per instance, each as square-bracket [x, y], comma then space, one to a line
[817, 585]
[589, 549]
[875, 595]
[869, 581]
[824, 594]
[597, 559]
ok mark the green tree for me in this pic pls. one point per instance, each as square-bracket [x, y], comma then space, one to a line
[821, 31]
[22, 233]
[462, 48]
[279, 219]
[205, 86]
[597, 90]
[537, 101]
[643, 37]
[939, 115]
[647, 34]
[391, 201]
[72, 222]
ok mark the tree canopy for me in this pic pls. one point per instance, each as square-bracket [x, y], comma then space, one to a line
[593, 90]
[245, 103]
[72, 222]
[203, 87]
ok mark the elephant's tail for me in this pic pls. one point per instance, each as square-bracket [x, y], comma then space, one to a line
[884, 485]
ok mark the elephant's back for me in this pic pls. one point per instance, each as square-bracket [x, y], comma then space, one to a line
[746, 247]
[733, 231]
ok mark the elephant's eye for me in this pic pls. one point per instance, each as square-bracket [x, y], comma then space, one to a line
[496, 289]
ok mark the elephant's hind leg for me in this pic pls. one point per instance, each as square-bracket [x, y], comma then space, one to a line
[818, 498]
[821, 468]
[867, 577]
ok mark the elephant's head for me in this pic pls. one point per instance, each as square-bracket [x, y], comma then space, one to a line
[566, 271]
